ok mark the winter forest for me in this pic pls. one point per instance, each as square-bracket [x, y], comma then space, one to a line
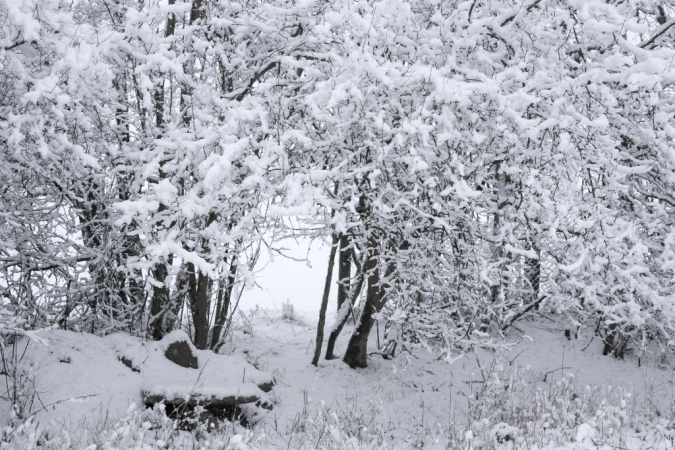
[487, 177]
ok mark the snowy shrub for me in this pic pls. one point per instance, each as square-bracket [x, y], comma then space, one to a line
[19, 389]
[508, 411]
[289, 314]
[337, 427]
[139, 430]
[246, 321]
[287, 311]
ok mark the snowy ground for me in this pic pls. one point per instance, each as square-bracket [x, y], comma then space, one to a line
[416, 396]
[409, 402]
[562, 391]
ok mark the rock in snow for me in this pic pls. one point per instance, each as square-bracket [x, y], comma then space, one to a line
[180, 353]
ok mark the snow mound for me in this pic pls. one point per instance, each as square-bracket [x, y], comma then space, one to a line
[81, 378]
[219, 379]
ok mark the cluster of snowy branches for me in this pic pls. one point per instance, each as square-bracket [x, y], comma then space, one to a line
[472, 161]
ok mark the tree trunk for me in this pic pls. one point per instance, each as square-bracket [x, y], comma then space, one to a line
[223, 305]
[160, 291]
[129, 285]
[610, 334]
[172, 315]
[324, 300]
[533, 267]
[343, 317]
[357, 350]
[201, 318]
[356, 354]
[344, 271]
[160, 298]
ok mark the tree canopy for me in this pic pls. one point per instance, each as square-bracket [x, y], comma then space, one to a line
[475, 161]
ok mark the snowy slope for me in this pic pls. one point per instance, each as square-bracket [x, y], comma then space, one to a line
[413, 401]
[412, 397]
[81, 378]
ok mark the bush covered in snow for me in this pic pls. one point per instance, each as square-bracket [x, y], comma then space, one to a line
[506, 415]
[139, 429]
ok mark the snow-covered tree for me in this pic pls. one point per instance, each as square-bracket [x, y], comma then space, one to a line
[475, 161]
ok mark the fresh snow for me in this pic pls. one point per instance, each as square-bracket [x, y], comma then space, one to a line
[80, 379]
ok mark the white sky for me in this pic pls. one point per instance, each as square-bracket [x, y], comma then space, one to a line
[300, 282]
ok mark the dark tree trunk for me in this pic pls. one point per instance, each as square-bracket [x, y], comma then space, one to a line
[357, 349]
[172, 315]
[196, 12]
[161, 295]
[343, 317]
[201, 317]
[356, 355]
[160, 299]
[324, 301]
[160, 292]
[223, 305]
[91, 215]
[609, 339]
